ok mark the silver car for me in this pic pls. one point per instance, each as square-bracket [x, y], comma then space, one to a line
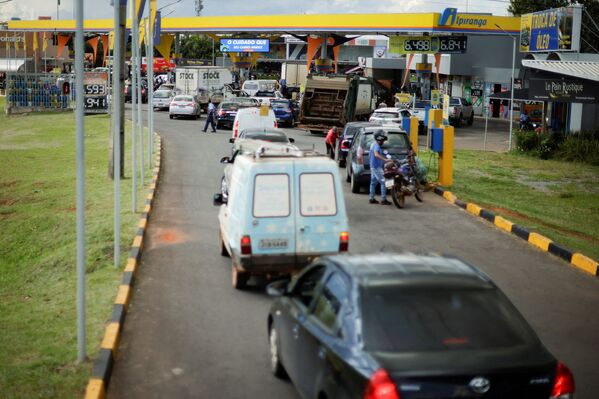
[184, 106]
[162, 99]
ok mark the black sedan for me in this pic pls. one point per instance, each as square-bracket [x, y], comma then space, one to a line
[404, 326]
[225, 114]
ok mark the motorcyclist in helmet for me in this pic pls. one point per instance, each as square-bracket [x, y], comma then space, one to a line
[377, 160]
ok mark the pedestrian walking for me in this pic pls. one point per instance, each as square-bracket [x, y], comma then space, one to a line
[210, 117]
[376, 168]
[331, 141]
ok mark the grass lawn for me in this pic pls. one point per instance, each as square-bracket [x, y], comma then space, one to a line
[38, 250]
[557, 199]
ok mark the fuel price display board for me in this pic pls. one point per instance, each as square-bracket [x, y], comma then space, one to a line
[428, 44]
[95, 92]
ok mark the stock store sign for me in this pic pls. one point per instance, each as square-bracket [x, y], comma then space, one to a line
[558, 90]
[557, 29]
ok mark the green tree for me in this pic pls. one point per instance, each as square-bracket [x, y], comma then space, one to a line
[198, 46]
[589, 42]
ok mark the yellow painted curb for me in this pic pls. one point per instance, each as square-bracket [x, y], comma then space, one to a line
[95, 389]
[448, 195]
[473, 209]
[142, 223]
[131, 265]
[111, 338]
[585, 263]
[122, 297]
[539, 241]
[137, 241]
[153, 186]
[503, 224]
[147, 208]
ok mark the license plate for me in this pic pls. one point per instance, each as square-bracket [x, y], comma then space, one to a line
[182, 106]
[273, 244]
[389, 183]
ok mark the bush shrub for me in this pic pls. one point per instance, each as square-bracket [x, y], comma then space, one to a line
[575, 147]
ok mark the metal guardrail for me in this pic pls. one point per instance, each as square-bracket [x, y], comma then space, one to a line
[28, 92]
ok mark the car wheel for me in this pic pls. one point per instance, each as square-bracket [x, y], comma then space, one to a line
[218, 126]
[223, 248]
[276, 367]
[355, 186]
[171, 116]
[340, 161]
[458, 122]
[347, 175]
[239, 279]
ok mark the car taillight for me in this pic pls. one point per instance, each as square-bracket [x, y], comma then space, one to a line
[344, 144]
[380, 386]
[246, 245]
[221, 112]
[360, 155]
[563, 387]
[276, 126]
[343, 241]
[235, 129]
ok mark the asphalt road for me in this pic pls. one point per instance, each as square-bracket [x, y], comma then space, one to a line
[188, 334]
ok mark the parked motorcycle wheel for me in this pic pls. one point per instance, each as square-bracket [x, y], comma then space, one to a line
[398, 196]
[418, 196]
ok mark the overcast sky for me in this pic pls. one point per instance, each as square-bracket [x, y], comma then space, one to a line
[31, 9]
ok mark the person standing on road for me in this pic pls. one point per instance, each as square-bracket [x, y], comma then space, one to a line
[210, 117]
[331, 141]
[376, 168]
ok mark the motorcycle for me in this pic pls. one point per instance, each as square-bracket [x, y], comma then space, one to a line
[402, 180]
[529, 125]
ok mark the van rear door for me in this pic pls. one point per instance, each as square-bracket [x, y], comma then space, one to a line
[273, 215]
[320, 211]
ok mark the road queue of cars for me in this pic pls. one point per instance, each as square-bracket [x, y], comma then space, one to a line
[400, 326]
[369, 326]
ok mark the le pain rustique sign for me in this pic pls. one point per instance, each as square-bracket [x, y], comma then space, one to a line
[563, 90]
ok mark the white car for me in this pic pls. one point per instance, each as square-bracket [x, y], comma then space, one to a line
[389, 115]
[265, 97]
[253, 117]
[253, 86]
[184, 106]
[162, 99]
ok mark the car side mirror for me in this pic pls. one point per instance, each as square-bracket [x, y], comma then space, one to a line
[225, 159]
[218, 199]
[278, 288]
[291, 140]
[232, 140]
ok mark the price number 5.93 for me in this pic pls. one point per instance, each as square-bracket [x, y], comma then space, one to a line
[94, 89]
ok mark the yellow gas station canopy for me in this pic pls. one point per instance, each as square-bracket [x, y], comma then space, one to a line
[314, 23]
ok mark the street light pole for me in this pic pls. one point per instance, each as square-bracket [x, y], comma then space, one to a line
[512, 88]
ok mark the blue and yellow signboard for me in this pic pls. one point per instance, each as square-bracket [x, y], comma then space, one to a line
[557, 29]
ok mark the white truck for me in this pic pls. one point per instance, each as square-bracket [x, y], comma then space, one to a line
[204, 82]
[295, 75]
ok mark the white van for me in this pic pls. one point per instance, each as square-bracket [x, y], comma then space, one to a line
[284, 208]
[253, 117]
[251, 87]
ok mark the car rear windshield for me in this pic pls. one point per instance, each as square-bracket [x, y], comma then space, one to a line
[271, 195]
[162, 94]
[229, 106]
[398, 141]
[317, 194]
[454, 101]
[439, 319]
[274, 137]
[183, 98]
[386, 115]
[279, 104]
